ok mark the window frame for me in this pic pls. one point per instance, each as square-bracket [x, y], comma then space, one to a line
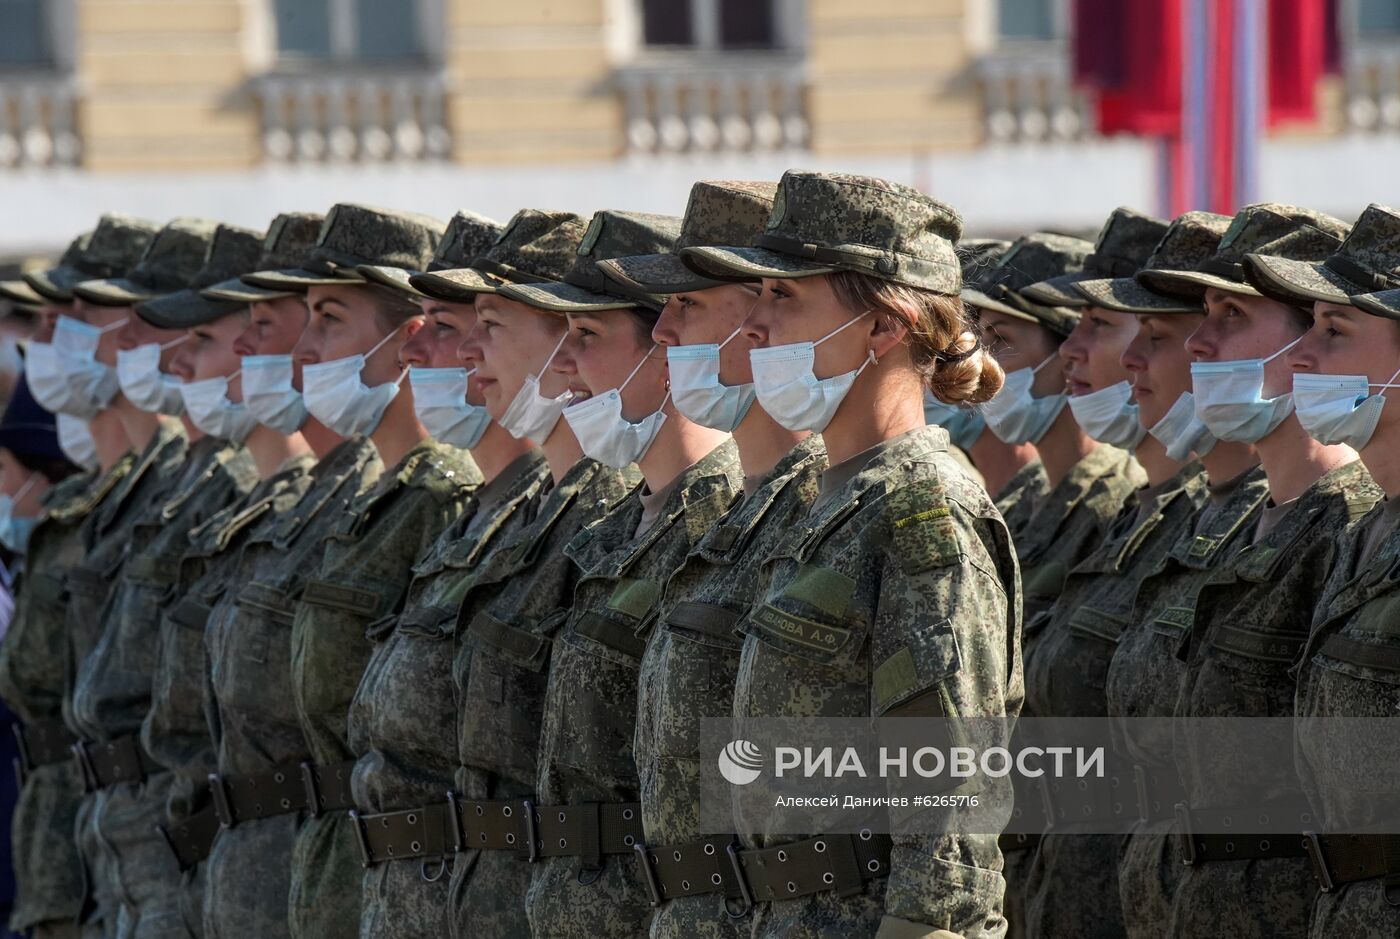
[59, 21]
[1060, 16]
[344, 39]
[705, 29]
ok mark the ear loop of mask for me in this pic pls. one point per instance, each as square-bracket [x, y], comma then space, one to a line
[111, 326]
[627, 381]
[559, 345]
[174, 342]
[1281, 351]
[403, 371]
[869, 353]
[1387, 385]
[23, 490]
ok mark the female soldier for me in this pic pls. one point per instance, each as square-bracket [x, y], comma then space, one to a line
[1344, 370]
[587, 787]
[898, 593]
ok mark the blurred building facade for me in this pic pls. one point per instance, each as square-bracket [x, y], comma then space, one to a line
[240, 108]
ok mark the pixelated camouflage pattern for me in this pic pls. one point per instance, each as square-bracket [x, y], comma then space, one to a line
[468, 236]
[1031, 259]
[687, 674]
[907, 563]
[109, 250]
[1266, 228]
[1192, 238]
[824, 222]
[232, 252]
[1367, 262]
[170, 262]
[720, 212]
[403, 719]
[590, 709]
[1018, 500]
[33, 670]
[1123, 246]
[1251, 623]
[528, 584]
[250, 702]
[352, 235]
[1071, 874]
[369, 556]
[289, 238]
[535, 246]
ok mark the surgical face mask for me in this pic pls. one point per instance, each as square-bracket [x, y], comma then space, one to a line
[789, 390]
[696, 388]
[1339, 408]
[964, 425]
[336, 397]
[1109, 416]
[1182, 432]
[1229, 398]
[212, 411]
[269, 395]
[440, 401]
[144, 384]
[65, 376]
[15, 529]
[608, 437]
[530, 415]
[75, 440]
[1016, 415]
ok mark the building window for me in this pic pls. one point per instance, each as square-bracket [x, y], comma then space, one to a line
[712, 25]
[1377, 16]
[1030, 19]
[24, 34]
[349, 30]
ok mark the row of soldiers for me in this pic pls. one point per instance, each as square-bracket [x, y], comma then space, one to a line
[415, 556]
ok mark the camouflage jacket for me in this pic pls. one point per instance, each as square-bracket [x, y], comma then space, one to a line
[505, 634]
[898, 595]
[403, 719]
[1065, 674]
[113, 690]
[251, 708]
[365, 569]
[692, 655]
[1252, 621]
[175, 732]
[1019, 499]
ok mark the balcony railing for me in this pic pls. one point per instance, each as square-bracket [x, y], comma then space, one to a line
[354, 118]
[697, 103]
[1373, 85]
[37, 121]
[1028, 94]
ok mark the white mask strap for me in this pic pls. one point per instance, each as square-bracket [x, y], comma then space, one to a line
[1390, 384]
[622, 387]
[175, 342]
[851, 322]
[111, 326]
[557, 347]
[1283, 350]
[738, 329]
[1053, 356]
[28, 485]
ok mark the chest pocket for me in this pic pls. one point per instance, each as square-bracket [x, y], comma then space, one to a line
[258, 652]
[810, 618]
[1044, 580]
[687, 676]
[618, 626]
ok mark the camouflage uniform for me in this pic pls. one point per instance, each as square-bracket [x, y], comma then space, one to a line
[33, 670]
[590, 706]
[403, 720]
[1072, 874]
[1251, 623]
[251, 707]
[365, 568]
[692, 656]
[522, 593]
[1019, 499]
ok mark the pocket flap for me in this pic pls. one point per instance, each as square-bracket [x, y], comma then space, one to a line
[1381, 656]
[268, 599]
[708, 618]
[1091, 622]
[190, 614]
[806, 633]
[340, 597]
[610, 633]
[518, 644]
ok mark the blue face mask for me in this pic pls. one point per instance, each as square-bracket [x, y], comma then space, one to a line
[1340, 409]
[15, 529]
[1015, 414]
[1229, 398]
[964, 425]
[697, 390]
[1181, 432]
[440, 401]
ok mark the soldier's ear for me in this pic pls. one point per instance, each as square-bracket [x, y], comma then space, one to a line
[888, 329]
[411, 327]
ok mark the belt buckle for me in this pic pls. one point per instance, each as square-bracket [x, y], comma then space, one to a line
[648, 874]
[1313, 844]
[85, 765]
[223, 804]
[732, 852]
[1143, 799]
[361, 839]
[456, 822]
[313, 790]
[532, 834]
[1185, 834]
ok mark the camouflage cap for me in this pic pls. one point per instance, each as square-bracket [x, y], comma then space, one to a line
[353, 235]
[171, 260]
[1123, 247]
[467, 236]
[1030, 260]
[720, 212]
[584, 288]
[20, 293]
[1367, 262]
[1383, 303]
[827, 222]
[1267, 228]
[1190, 240]
[232, 251]
[290, 237]
[109, 250]
[536, 246]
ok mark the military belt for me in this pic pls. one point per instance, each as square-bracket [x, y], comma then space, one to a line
[1348, 859]
[327, 786]
[1083, 801]
[1201, 849]
[1010, 843]
[41, 743]
[289, 788]
[192, 839]
[1158, 791]
[825, 863]
[112, 762]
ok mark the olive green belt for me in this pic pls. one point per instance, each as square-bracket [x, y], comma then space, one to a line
[314, 787]
[106, 763]
[1201, 849]
[1348, 859]
[41, 743]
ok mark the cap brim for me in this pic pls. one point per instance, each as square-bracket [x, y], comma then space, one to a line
[565, 298]
[185, 309]
[975, 297]
[1057, 291]
[239, 292]
[457, 285]
[55, 284]
[116, 291]
[1126, 295]
[1192, 283]
[18, 291]
[729, 263]
[1059, 320]
[1301, 283]
[656, 273]
[298, 280]
[1383, 303]
[395, 278]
